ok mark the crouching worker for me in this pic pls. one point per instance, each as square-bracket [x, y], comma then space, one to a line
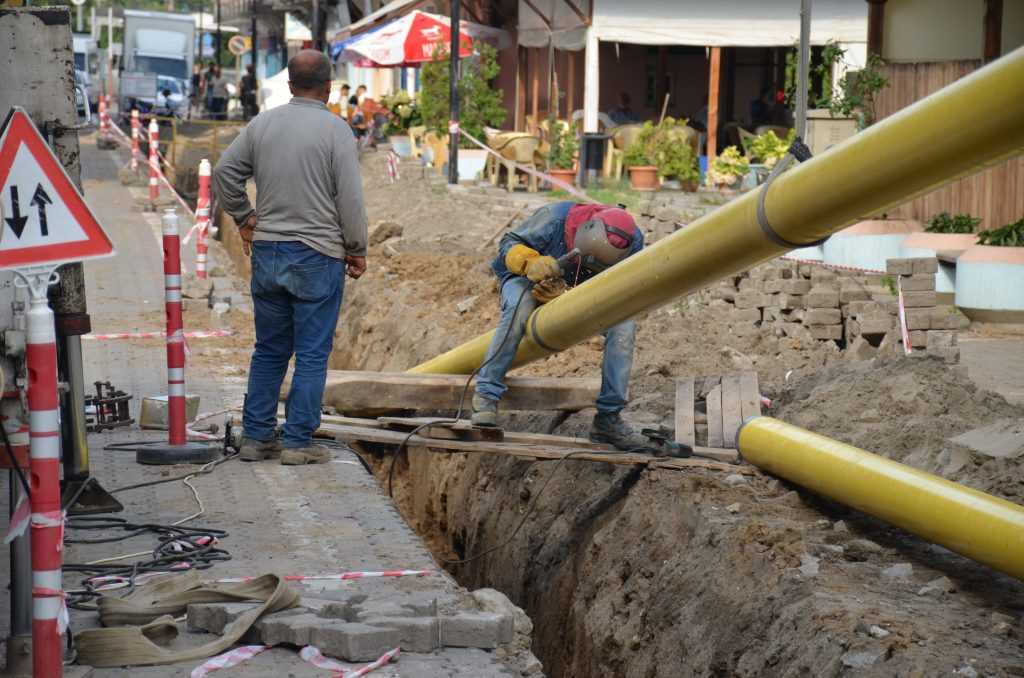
[530, 275]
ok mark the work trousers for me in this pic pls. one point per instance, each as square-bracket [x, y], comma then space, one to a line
[616, 365]
[296, 294]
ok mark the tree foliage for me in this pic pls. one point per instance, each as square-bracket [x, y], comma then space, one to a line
[480, 105]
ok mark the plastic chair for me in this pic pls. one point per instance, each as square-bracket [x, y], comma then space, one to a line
[438, 146]
[517, 147]
[416, 135]
[623, 137]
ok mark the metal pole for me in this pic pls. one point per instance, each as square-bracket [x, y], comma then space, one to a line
[315, 26]
[453, 97]
[175, 331]
[255, 42]
[217, 48]
[47, 519]
[19, 644]
[110, 55]
[922, 148]
[80, 21]
[803, 65]
[76, 455]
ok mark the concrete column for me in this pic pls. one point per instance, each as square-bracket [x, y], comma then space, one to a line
[591, 82]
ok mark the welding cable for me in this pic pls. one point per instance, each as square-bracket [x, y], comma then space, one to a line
[462, 398]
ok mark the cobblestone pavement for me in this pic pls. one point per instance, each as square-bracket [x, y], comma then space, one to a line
[287, 520]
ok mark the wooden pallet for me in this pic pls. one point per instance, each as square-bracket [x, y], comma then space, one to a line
[728, 402]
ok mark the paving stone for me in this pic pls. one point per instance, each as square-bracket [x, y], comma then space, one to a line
[485, 630]
[941, 339]
[899, 266]
[918, 283]
[823, 332]
[772, 286]
[416, 634]
[919, 299]
[771, 314]
[213, 617]
[749, 315]
[945, 318]
[898, 571]
[282, 627]
[752, 299]
[823, 316]
[790, 301]
[861, 349]
[919, 318]
[820, 274]
[874, 325]
[822, 297]
[925, 265]
[353, 642]
[796, 286]
[492, 600]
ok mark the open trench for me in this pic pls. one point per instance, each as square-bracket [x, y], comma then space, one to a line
[641, 573]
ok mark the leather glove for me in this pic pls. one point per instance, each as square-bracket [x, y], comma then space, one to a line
[518, 257]
[543, 268]
[549, 289]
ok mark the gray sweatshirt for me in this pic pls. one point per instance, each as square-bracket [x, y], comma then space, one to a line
[304, 161]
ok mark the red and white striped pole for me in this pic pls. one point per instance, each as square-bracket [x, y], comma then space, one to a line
[47, 523]
[175, 330]
[104, 121]
[203, 218]
[135, 140]
[154, 164]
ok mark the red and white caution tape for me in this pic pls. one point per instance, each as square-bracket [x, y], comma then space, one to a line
[392, 165]
[19, 520]
[767, 402]
[837, 267]
[313, 655]
[198, 334]
[63, 618]
[228, 659]
[123, 139]
[565, 186]
[344, 576]
[907, 347]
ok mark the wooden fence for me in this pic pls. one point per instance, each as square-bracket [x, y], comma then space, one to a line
[996, 195]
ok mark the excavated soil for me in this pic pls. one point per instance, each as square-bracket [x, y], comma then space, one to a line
[641, 573]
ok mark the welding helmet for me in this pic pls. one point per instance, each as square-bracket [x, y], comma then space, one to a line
[602, 243]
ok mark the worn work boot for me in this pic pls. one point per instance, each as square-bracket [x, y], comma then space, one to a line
[485, 411]
[611, 428]
[259, 450]
[299, 456]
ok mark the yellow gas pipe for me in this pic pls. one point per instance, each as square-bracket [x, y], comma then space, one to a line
[984, 528]
[959, 130]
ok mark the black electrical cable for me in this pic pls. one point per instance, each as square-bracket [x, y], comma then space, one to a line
[14, 462]
[208, 468]
[462, 399]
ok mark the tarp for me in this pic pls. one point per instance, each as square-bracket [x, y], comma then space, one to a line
[721, 23]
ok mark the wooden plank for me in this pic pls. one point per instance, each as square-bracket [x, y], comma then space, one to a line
[714, 401]
[381, 392]
[460, 430]
[731, 412]
[713, 83]
[750, 396]
[684, 412]
[376, 435]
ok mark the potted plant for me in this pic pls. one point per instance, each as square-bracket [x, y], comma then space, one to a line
[481, 105]
[728, 169]
[643, 173]
[990, 276]
[404, 114]
[768, 148]
[671, 152]
[562, 155]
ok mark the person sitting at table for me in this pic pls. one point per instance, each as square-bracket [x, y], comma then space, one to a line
[623, 113]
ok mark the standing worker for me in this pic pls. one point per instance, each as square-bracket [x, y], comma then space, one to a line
[308, 230]
[529, 273]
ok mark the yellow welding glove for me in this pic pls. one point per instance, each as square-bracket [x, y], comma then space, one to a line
[542, 268]
[549, 289]
[518, 257]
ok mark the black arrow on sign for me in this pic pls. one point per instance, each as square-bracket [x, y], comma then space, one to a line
[16, 222]
[41, 200]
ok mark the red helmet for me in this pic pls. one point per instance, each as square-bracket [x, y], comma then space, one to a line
[603, 235]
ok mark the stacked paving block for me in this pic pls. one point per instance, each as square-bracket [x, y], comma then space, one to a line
[932, 327]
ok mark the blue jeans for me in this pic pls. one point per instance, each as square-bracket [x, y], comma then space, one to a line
[615, 367]
[296, 294]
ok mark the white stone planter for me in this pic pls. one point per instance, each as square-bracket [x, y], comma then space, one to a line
[401, 145]
[471, 163]
[990, 283]
[929, 244]
[868, 244]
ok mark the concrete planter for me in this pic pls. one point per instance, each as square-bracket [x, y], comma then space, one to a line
[401, 145]
[928, 244]
[990, 283]
[471, 163]
[868, 244]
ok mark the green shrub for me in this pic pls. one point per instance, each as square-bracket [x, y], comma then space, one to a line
[564, 145]
[1011, 235]
[664, 145]
[768, 148]
[944, 222]
[404, 112]
[728, 167]
[480, 104]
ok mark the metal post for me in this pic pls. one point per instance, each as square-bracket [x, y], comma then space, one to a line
[453, 97]
[19, 644]
[314, 26]
[175, 330]
[47, 518]
[154, 164]
[110, 54]
[202, 217]
[255, 42]
[803, 64]
[218, 45]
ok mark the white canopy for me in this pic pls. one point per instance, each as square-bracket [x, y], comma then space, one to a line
[722, 23]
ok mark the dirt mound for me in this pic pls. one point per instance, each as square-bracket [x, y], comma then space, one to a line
[907, 409]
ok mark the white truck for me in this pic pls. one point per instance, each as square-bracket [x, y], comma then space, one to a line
[87, 60]
[158, 53]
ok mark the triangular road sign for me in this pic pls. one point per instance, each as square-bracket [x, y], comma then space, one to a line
[43, 218]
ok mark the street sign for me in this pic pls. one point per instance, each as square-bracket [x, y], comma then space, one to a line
[239, 44]
[43, 218]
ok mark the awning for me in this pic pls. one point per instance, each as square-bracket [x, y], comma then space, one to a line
[722, 23]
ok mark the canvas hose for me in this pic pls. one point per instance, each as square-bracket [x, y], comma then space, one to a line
[139, 626]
